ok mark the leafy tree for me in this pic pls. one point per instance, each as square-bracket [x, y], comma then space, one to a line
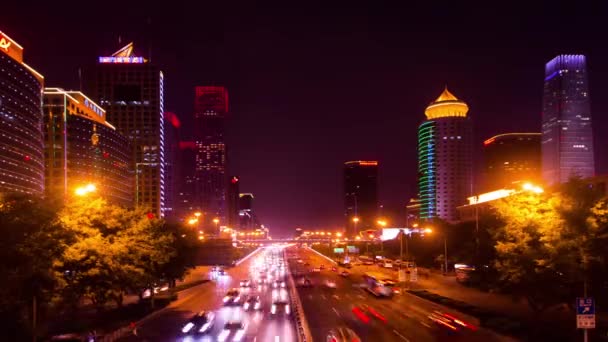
[31, 241]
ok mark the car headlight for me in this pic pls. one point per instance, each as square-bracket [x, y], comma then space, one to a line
[226, 299]
[287, 309]
[257, 306]
[187, 327]
[205, 327]
[222, 336]
[239, 335]
[273, 310]
[246, 306]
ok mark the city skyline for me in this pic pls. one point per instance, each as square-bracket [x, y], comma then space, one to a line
[253, 63]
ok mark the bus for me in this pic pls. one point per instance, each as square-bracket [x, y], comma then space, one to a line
[376, 285]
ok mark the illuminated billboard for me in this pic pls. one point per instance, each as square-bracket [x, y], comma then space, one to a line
[122, 60]
[339, 250]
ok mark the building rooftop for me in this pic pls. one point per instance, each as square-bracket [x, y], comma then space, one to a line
[446, 105]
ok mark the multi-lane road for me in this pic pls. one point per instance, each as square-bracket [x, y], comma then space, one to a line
[404, 317]
[260, 325]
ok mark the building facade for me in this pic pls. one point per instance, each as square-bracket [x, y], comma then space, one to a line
[567, 137]
[21, 137]
[360, 195]
[185, 198]
[81, 147]
[510, 158]
[210, 114]
[131, 90]
[233, 202]
[444, 158]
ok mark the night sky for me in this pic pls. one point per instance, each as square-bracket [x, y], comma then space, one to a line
[314, 86]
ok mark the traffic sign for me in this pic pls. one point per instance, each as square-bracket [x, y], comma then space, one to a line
[402, 277]
[585, 313]
[414, 275]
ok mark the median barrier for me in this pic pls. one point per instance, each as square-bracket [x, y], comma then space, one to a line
[304, 334]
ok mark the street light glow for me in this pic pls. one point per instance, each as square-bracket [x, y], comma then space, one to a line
[85, 190]
[192, 221]
[428, 230]
[534, 188]
[382, 223]
[355, 219]
[197, 214]
[216, 220]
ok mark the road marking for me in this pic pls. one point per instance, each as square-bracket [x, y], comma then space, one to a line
[276, 338]
[324, 297]
[336, 311]
[402, 337]
[361, 296]
[336, 296]
[425, 324]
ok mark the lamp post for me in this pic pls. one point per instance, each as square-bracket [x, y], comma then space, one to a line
[216, 221]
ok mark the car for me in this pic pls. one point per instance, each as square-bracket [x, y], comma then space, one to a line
[236, 327]
[450, 322]
[280, 306]
[344, 273]
[252, 303]
[245, 283]
[199, 323]
[306, 282]
[334, 269]
[278, 283]
[232, 297]
[316, 270]
[331, 284]
[322, 267]
[342, 334]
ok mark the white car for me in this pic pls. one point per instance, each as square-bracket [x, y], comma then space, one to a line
[237, 328]
[280, 306]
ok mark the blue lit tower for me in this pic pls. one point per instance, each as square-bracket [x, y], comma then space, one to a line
[444, 158]
[567, 138]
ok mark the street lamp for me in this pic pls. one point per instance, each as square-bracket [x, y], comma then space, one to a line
[85, 190]
[355, 221]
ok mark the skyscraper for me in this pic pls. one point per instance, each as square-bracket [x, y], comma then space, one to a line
[509, 158]
[210, 113]
[233, 202]
[444, 158]
[131, 90]
[185, 198]
[21, 138]
[360, 195]
[567, 138]
[81, 147]
[172, 127]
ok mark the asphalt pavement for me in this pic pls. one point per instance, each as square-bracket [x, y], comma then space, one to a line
[403, 317]
[166, 324]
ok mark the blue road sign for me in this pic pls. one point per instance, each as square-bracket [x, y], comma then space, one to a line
[585, 306]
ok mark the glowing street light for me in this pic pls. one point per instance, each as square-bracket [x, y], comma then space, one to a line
[85, 190]
[355, 219]
[216, 220]
[533, 188]
[197, 214]
[338, 234]
[192, 221]
[428, 230]
[381, 223]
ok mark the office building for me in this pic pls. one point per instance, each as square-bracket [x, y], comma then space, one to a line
[81, 148]
[247, 217]
[172, 128]
[131, 90]
[567, 137]
[510, 158]
[444, 158]
[360, 195]
[233, 202]
[21, 138]
[210, 113]
[185, 197]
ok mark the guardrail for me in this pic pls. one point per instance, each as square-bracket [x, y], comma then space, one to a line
[303, 331]
[322, 255]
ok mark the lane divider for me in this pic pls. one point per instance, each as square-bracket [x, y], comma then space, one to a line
[323, 255]
[248, 256]
[304, 334]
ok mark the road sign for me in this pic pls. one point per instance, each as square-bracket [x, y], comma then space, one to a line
[339, 250]
[585, 313]
[402, 276]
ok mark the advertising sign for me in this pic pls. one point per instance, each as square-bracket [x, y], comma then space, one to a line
[339, 250]
[585, 313]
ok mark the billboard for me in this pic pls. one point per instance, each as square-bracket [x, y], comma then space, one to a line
[352, 249]
[339, 250]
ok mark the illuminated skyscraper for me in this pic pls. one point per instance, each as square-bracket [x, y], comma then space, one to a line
[131, 90]
[233, 202]
[210, 113]
[567, 138]
[81, 147]
[360, 195]
[444, 158]
[21, 138]
[509, 158]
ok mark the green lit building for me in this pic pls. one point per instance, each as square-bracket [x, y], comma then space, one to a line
[444, 158]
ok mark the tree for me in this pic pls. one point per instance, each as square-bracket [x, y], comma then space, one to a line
[114, 250]
[527, 257]
[31, 240]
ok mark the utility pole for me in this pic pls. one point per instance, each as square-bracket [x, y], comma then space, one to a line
[445, 252]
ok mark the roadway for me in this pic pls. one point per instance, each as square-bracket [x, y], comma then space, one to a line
[404, 317]
[166, 324]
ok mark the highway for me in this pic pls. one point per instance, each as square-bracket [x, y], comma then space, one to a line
[404, 317]
[166, 324]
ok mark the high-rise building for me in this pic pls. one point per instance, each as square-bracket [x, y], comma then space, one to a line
[510, 158]
[185, 197]
[233, 202]
[360, 195]
[172, 127]
[210, 113]
[567, 138]
[81, 147]
[247, 218]
[21, 138]
[444, 158]
[131, 90]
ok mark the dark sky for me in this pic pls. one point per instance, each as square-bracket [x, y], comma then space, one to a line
[314, 86]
